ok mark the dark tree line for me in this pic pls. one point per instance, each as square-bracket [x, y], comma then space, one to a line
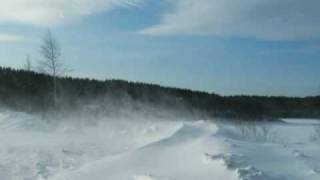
[22, 89]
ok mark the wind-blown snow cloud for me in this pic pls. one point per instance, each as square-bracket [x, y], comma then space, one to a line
[53, 12]
[10, 38]
[262, 19]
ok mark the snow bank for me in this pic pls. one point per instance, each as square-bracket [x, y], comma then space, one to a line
[179, 156]
[33, 149]
[121, 149]
[204, 150]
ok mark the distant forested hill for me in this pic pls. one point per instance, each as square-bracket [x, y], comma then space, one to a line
[30, 91]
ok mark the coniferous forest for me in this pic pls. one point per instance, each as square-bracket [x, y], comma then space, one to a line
[30, 91]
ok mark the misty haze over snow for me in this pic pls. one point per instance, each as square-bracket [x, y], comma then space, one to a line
[144, 149]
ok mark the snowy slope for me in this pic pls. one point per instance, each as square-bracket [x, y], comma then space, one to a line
[122, 149]
[180, 156]
[33, 149]
[204, 150]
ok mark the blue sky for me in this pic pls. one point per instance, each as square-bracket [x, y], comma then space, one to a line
[228, 47]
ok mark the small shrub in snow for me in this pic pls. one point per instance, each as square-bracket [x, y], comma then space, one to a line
[258, 131]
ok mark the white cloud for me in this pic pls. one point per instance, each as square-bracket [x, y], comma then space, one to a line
[262, 19]
[53, 12]
[10, 38]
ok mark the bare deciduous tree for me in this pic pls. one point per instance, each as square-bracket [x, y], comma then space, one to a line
[51, 63]
[28, 67]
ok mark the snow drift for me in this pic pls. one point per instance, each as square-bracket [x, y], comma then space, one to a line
[146, 149]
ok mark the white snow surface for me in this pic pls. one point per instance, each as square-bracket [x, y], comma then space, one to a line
[302, 121]
[122, 149]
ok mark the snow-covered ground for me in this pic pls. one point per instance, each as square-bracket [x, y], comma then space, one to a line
[120, 149]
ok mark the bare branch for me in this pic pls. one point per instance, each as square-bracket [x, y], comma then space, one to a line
[50, 50]
[51, 63]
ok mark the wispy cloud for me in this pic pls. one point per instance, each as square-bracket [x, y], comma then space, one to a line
[10, 38]
[262, 19]
[53, 12]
